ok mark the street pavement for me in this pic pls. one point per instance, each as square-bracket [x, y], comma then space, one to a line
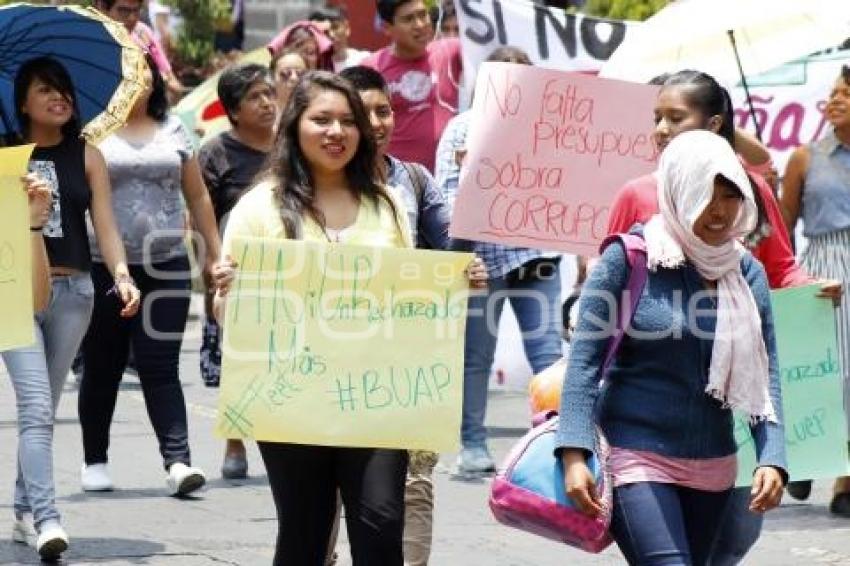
[233, 523]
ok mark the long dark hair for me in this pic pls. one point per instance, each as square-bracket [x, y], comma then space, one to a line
[289, 170]
[707, 96]
[158, 101]
[52, 73]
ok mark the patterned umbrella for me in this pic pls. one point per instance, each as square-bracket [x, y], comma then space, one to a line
[105, 65]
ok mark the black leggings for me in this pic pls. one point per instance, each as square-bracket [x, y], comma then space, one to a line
[304, 481]
[155, 333]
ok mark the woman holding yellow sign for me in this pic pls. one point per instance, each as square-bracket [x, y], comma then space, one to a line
[323, 188]
[48, 115]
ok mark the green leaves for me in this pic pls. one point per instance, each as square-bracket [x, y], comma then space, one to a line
[624, 9]
[201, 19]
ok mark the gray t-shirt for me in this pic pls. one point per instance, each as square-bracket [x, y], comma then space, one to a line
[147, 180]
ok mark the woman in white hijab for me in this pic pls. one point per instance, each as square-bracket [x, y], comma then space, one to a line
[701, 344]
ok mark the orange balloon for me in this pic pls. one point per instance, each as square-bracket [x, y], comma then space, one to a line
[544, 389]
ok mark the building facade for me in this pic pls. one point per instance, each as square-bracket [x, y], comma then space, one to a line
[264, 18]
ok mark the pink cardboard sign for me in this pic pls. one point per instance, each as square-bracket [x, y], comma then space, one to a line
[546, 153]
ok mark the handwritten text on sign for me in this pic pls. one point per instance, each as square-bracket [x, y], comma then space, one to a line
[812, 390]
[15, 254]
[789, 102]
[547, 152]
[344, 346]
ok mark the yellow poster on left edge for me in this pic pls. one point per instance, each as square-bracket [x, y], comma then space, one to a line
[340, 345]
[15, 253]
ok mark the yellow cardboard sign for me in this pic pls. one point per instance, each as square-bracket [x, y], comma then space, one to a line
[15, 252]
[344, 345]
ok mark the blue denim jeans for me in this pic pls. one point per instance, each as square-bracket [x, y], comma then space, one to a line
[740, 530]
[665, 524]
[536, 301]
[38, 374]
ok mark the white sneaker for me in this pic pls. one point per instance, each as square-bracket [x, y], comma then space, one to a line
[23, 530]
[183, 479]
[52, 540]
[95, 477]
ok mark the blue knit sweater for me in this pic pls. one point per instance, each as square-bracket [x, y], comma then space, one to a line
[654, 398]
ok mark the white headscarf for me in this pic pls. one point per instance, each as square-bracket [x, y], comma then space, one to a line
[738, 375]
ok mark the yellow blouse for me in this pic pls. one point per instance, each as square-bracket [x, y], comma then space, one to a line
[257, 215]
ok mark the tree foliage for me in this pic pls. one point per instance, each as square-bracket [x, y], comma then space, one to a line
[195, 38]
[623, 9]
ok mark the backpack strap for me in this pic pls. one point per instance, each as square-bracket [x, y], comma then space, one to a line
[541, 417]
[414, 171]
[635, 248]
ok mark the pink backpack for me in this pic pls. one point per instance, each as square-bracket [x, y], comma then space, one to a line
[529, 493]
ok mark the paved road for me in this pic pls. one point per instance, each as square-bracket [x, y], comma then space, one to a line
[233, 523]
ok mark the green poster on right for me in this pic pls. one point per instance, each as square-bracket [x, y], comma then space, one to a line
[812, 389]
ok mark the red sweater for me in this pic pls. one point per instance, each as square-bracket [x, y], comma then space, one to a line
[637, 202]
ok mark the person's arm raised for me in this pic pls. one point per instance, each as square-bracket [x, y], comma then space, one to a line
[749, 147]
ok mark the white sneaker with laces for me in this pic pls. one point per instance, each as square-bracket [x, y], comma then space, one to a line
[52, 540]
[183, 479]
[23, 530]
[95, 477]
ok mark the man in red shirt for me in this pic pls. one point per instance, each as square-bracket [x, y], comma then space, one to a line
[423, 77]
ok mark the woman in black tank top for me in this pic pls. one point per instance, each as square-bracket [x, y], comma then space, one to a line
[75, 172]
[47, 116]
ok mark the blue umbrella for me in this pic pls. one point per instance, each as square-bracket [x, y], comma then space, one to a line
[104, 63]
